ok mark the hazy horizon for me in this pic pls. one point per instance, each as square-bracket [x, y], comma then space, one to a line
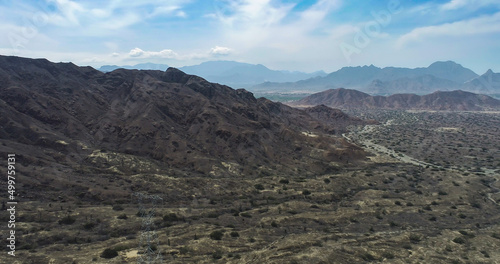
[289, 35]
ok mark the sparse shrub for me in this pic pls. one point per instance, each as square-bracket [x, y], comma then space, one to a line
[306, 192]
[259, 186]
[284, 181]
[263, 210]
[171, 217]
[433, 218]
[234, 234]
[216, 235]
[467, 234]
[317, 243]
[89, 225]
[407, 246]
[140, 213]
[459, 240]
[213, 215]
[368, 257]
[217, 254]
[122, 247]
[397, 203]
[245, 214]
[122, 216]
[414, 238]
[442, 193]
[184, 250]
[495, 235]
[117, 207]
[327, 181]
[387, 255]
[67, 220]
[274, 224]
[109, 253]
[409, 204]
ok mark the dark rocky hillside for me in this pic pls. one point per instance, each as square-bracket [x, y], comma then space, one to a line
[180, 121]
[336, 117]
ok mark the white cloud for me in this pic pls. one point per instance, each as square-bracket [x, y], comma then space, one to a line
[165, 54]
[164, 10]
[248, 24]
[251, 12]
[181, 14]
[28, 36]
[69, 13]
[111, 15]
[220, 51]
[469, 4]
[482, 25]
[454, 4]
[316, 13]
[136, 52]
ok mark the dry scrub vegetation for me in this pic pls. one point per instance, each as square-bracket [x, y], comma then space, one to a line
[382, 210]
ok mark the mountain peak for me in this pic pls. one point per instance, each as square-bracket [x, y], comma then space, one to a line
[488, 72]
[444, 63]
[174, 75]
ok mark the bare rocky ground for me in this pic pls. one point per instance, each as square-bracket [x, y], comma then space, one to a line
[440, 208]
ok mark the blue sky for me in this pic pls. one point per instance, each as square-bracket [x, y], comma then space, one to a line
[281, 34]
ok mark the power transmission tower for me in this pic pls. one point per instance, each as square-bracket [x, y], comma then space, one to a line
[149, 250]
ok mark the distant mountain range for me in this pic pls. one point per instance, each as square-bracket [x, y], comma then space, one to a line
[141, 66]
[439, 76]
[439, 101]
[487, 83]
[230, 73]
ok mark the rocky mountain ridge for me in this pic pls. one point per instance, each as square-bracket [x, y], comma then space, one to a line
[437, 101]
[181, 121]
